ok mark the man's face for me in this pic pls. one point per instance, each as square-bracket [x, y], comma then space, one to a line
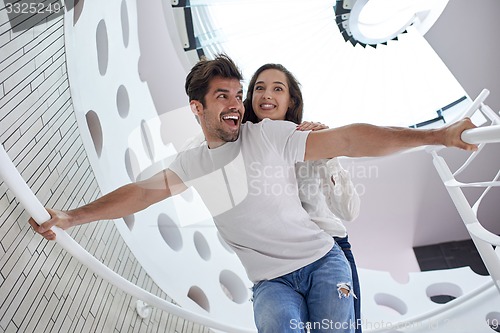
[221, 116]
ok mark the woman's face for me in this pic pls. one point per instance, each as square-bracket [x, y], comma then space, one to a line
[271, 96]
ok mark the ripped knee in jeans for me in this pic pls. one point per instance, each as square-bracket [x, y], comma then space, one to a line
[345, 290]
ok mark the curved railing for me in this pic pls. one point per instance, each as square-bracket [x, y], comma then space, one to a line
[482, 135]
[25, 196]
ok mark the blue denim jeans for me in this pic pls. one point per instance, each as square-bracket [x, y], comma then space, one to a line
[346, 247]
[312, 296]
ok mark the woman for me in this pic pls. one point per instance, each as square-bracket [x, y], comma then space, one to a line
[325, 188]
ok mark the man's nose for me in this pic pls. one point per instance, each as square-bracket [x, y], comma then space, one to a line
[235, 103]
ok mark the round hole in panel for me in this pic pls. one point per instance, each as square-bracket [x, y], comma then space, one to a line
[125, 23]
[202, 247]
[233, 286]
[131, 164]
[147, 139]
[198, 296]
[170, 232]
[102, 47]
[224, 243]
[391, 303]
[122, 101]
[95, 129]
[443, 292]
[129, 221]
[493, 321]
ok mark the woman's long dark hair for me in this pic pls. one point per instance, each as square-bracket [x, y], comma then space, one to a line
[294, 112]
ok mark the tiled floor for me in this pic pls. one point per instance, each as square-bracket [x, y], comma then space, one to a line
[449, 255]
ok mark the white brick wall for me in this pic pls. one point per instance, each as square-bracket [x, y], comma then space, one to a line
[42, 288]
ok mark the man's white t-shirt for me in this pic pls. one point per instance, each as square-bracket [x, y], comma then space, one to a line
[250, 188]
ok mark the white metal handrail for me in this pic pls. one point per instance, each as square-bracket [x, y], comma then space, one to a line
[480, 232]
[488, 134]
[473, 136]
[482, 238]
[456, 183]
[32, 205]
[476, 104]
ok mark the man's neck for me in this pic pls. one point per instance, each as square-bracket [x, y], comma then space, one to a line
[212, 144]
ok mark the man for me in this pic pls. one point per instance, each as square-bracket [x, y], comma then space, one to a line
[246, 177]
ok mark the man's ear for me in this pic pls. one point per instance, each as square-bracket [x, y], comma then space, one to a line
[195, 105]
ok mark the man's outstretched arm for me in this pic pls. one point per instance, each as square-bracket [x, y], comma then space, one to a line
[362, 140]
[121, 202]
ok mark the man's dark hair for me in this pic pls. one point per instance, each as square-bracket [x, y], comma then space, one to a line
[198, 79]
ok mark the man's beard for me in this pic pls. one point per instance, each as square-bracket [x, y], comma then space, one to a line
[227, 137]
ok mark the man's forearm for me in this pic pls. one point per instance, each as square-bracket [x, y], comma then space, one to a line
[369, 140]
[128, 199]
[121, 202]
[365, 140]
